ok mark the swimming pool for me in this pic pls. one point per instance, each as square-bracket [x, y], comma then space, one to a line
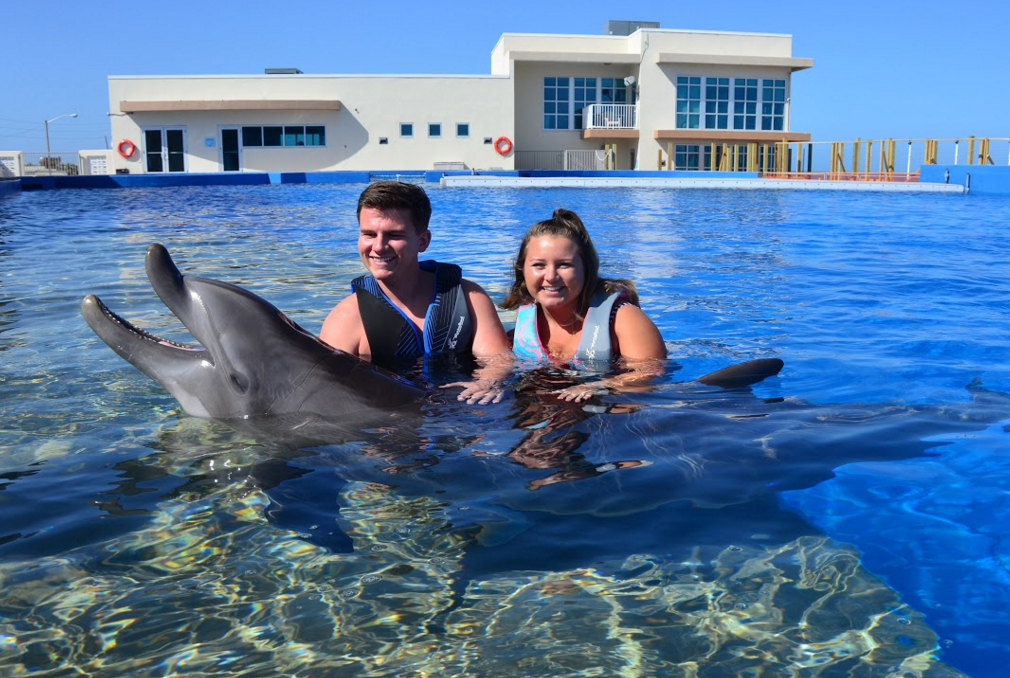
[847, 516]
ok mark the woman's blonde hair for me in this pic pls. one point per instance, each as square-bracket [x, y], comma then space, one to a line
[566, 224]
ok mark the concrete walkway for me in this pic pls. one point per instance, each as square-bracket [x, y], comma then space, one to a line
[478, 181]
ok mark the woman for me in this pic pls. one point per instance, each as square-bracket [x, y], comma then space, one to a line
[568, 314]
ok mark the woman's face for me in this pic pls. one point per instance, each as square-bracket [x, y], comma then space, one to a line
[553, 271]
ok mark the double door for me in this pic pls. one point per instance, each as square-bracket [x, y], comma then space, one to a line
[164, 149]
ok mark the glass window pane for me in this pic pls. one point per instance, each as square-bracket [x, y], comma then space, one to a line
[563, 82]
[434, 129]
[252, 136]
[462, 129]
[406, 129]
[272, 136]
[550, 82]
[315, 135]
[549, 122]
[294, 136]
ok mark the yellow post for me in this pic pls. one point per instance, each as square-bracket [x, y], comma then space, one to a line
[869, 156]
[659, 158]
[855, 155]
[799, 157]
[890, 156]
[712, 164]
[971, 150]
[752, 157]
[669, 155]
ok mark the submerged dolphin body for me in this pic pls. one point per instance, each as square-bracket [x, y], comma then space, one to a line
[253, 360]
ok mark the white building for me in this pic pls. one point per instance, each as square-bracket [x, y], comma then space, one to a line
[711, 99]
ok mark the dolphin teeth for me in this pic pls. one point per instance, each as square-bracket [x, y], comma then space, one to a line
[120, 320]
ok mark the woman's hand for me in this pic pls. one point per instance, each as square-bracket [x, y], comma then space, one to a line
[581, 392]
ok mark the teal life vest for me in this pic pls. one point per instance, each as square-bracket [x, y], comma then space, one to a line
[594, 345]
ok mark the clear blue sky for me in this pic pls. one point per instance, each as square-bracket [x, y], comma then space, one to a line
[884, 68]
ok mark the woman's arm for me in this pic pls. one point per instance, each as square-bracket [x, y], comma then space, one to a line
[637, 342]
[635, 336]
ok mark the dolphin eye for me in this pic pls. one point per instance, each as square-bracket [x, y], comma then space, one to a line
[239, 382]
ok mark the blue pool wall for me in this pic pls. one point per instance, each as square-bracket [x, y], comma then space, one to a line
[981, 179]
[990, 179]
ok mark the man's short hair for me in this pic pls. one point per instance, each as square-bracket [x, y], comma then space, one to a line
[385, 195]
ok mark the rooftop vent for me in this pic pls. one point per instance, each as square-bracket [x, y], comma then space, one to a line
[627, 27]
[283, 71]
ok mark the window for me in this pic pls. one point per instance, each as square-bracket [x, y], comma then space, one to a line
[273, 136]
[383, 141]
[556, 103]
[252, 136]
[585, 95]
[773, 104]
[462, 129]
[706, 103]
[289, 135]
[434, 129]
[406, 129]
[745, 93]
[315, 135]
[487, 140]
[688, 102]
[716, 103]
[565, 99]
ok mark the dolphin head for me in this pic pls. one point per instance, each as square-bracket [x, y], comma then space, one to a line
[251, 360]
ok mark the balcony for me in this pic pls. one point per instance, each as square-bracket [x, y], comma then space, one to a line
[610, 121]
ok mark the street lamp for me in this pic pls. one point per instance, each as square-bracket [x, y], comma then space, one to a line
[49, 163]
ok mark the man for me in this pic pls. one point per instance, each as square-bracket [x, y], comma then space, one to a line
[405, 308]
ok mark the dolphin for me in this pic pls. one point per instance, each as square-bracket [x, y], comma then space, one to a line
[253, 361]
[259, 371]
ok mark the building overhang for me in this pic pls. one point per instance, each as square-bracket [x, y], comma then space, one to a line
[792, 63]
[577, 57]
[704, 136]
[230, 105]
[609, 133]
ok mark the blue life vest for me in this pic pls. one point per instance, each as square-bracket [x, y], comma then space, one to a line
[594, 345]
[391, 334]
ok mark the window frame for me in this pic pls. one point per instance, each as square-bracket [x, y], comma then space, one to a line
[409, 127]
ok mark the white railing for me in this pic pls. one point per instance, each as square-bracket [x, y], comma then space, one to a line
[610, 116]
[587, 160]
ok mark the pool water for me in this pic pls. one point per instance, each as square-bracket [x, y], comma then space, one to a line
[847, 517]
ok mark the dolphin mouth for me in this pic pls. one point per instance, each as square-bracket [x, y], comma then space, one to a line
[93, 306]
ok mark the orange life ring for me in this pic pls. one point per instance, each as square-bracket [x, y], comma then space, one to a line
[503, 145]
[126, 148]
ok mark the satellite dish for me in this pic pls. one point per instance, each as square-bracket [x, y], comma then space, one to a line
[629, 81]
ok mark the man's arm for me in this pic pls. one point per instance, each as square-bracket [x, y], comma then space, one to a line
[489, 338]
[343, 329]
[491, 347]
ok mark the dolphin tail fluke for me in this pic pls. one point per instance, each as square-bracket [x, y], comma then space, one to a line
[743, 374]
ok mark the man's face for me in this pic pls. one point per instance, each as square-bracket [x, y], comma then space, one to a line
[388, 242]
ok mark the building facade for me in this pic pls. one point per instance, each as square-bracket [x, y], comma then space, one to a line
[654, 97]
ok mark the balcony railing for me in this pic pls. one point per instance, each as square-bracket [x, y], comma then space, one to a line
[610, 116]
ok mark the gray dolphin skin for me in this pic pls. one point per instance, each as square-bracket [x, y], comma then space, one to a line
[252, 360]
